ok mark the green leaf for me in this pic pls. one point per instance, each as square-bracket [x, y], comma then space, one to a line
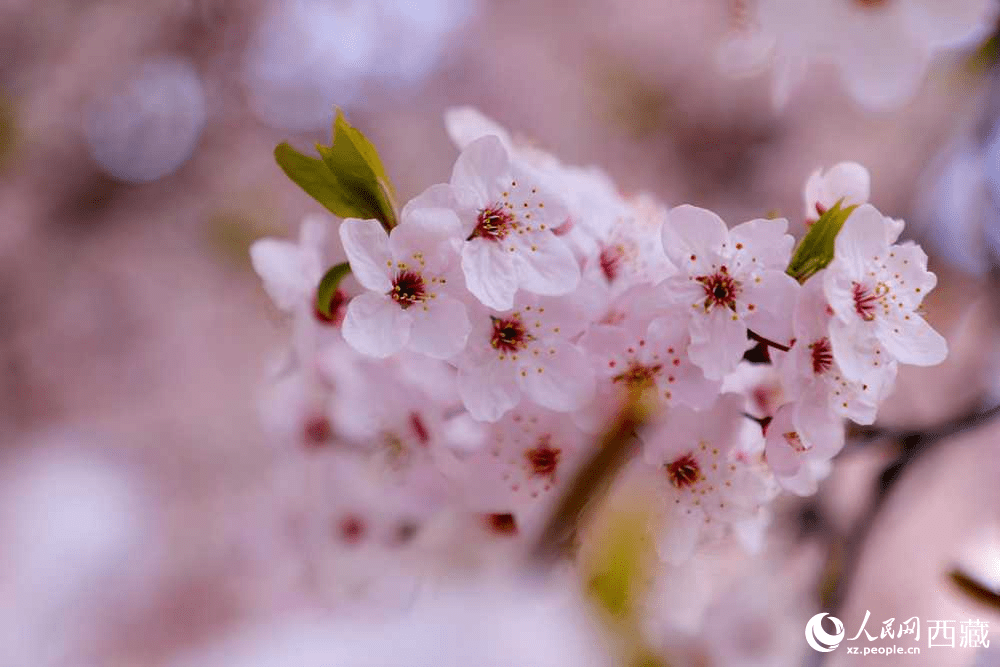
[328, 285]
[815, 251]
[348, 178]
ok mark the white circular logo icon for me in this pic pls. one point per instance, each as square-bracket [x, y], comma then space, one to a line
[818, 638]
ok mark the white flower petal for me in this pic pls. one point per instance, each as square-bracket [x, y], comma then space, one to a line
[441, 195]
[848, 181]
[862, 238]
[466, 124]
[367, 248]
[489, 273]
[762, 244]
[773, 300]
[560, 379]
[781, 457]
[375, 325]
[483, 168]
[441, 330]
[545, 265]
[428, 240]
[279, 266]
[718, 341]
[821, 429]
[693, 237]
[489, 391]
[913, 341]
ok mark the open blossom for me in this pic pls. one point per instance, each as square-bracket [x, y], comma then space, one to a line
[392, 420]
[812, 367]
[730, 281]
[845, 182]
[710, 481]
[415, 290]
[291, 272]
[506, 317]
[881, 47]
[507, 218]
[594, 203]
[801, 439]
[641, 343]
[524, 460]
[875, 288]
[527, 350]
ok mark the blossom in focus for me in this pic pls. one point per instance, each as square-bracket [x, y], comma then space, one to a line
[508, 221]
[527, 350]
[730, 281]
[415, 291]
[642, 343]
[875, 288]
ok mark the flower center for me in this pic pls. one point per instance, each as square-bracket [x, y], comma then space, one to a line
[611, 262]
[419, 428]
[317, 430]
[721, 289]
[683, 471]
[794, 441]
[509, 334]
[543, 458]
[866, 300]
[501, 524]
[494, 223]
[351, 529]
[408, 288]
[822, 356]
[638, 376]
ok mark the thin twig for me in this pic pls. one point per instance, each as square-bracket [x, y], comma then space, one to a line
[912, 445]
[614, 449]
[766, 341]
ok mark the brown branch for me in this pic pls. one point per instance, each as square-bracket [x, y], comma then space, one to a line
[615, 447]
[753, 335]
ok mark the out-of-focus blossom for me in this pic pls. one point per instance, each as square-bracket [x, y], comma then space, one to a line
[459, 623]
[881, 48]
[845, 182]
[710, 479]
[78, 536]
[309, 55]
[149, 125]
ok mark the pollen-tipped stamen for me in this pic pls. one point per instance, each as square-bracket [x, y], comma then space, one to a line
[408, 288]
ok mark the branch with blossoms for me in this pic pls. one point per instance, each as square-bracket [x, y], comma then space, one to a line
[475, 342]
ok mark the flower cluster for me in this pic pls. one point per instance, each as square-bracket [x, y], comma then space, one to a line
[484, 340]
[881, 49]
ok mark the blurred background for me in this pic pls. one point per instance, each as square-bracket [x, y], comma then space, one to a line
[136, 168]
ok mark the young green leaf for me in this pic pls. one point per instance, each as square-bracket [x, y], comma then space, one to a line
[328, 288]
[348, 178]
[815, 251]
